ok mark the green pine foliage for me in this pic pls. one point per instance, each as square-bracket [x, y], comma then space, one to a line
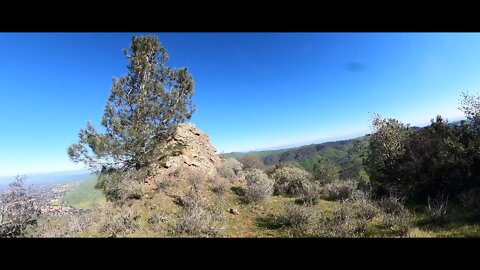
[142, 106]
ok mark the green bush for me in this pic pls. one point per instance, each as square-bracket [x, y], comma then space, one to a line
[311, 193]
[122, 186]
[421, 164]
[470, 200]
[394, 216]
[324, 171]
[299, 218]
[346, 222]
[259, 186]
[290, 180]
[340, 190]
[392, 205]
[397, 224]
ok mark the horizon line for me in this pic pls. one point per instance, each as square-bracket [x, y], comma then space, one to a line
[42, 173]
[337, 138]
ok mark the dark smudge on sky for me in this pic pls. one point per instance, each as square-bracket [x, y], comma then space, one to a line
[355, 66]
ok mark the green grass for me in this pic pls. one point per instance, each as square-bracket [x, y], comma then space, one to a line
[258, 220]
[457, 223]
[84, 195]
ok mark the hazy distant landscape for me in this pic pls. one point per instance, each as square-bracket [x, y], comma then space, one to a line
[45, 179]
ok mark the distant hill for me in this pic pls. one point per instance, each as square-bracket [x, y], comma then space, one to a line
[260, 154]
[345, 154]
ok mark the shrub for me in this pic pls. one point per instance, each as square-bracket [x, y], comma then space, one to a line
[157, 220]
[230, 168]
[290, 180]
[131, 190]
[470, 200]
[197, 219]
[311, 193]
[392, 205]
[259, 186]
[351, 219]
[324, 171]
[299, 218]
[114, 220]
[270, 169]
[196, 179]
[17, 209]
[340, 190]
[191, 199]
[397, 224]
[346, 222]
[220, 185]
[365, 208]
[251, 162]
[122, 186]
[437, 208]
[78, 224]
[360, 196]
[394, 216]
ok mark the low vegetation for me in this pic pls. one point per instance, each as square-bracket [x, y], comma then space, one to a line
[290, 180]
[259, 186]
[17, 209]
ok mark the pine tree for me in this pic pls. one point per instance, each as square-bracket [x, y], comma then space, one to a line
[142, 106]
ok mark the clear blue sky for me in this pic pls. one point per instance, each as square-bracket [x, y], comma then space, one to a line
[252, 90]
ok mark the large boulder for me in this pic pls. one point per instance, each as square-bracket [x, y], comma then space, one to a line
[187, 148]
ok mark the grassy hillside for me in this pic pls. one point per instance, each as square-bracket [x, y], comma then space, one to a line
[346, 155]
[260, 154]
[253, 220]
[84, 194]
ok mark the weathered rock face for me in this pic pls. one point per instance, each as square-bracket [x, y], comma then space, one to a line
[191, 150]
[196, 149]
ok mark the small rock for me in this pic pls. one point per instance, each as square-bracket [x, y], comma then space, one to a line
[234, 211]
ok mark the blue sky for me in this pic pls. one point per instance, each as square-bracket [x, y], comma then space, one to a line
[252, 90]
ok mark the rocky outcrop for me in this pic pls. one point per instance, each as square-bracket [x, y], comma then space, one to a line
[187, 148]
[195, 147]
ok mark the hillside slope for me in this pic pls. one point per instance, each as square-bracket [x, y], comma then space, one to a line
[345, 154]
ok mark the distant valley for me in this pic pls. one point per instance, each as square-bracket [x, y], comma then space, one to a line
[46, 179]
